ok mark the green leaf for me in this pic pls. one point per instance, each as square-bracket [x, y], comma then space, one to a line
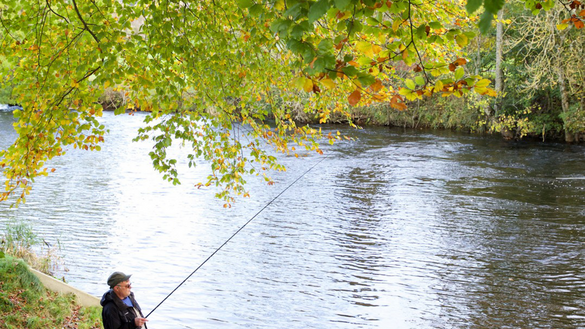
[372, 21]
[325, 46]
[308, 54]
[276, 25]
[317, 10]
[419, 80]
[299, 29]
[350, 71]
[294, 10]
[459, 72]
[342, 4]
[493, 6]
[319, 64]
[332, 75]
[256, 10]
[119, 110]
[549, 4]
[366, 79]
[245, 3]
[364, 60]
[410, 84]
[435, 25]
[485, 21]
[473, 5]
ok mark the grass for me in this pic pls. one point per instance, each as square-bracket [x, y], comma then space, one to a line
[24, 301]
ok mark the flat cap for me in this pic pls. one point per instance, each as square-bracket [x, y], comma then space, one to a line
[117, 277]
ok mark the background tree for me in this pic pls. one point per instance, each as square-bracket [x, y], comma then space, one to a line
[551, 48]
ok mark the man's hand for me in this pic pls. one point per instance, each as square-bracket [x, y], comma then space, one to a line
[140, 321]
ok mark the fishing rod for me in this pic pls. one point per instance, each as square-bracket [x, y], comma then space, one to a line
[233, 235]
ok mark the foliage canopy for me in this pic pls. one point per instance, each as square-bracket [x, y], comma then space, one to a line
[202, 67]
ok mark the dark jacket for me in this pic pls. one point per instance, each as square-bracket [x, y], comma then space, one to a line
[115, 314]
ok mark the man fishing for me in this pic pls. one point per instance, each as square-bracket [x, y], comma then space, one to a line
[120, 309]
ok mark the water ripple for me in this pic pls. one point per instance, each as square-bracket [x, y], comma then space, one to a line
[396, 229]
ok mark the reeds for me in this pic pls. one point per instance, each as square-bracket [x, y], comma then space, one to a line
[20, 241]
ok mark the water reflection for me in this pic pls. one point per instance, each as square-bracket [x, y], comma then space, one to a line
[396, 229]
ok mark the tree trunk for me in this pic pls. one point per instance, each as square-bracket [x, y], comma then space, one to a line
[478, 55]
[499, 46]
[486, 108]
[569, 137]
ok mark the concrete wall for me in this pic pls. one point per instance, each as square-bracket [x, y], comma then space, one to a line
[83, 298]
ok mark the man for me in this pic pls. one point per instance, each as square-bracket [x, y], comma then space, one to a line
[120, 309]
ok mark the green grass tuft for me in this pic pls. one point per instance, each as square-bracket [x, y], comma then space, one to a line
[25, 303]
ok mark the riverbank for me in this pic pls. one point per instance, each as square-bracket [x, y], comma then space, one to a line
[466, 114]
[26, 303]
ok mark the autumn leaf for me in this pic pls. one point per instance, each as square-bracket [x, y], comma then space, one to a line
[460, 61]
[377, 86]
[354, 98]
[397, 102]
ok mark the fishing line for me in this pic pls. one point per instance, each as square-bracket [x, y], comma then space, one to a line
[233, 235]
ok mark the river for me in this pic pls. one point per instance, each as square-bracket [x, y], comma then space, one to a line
[394, 229]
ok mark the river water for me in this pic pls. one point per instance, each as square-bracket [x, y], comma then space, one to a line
[395, 229]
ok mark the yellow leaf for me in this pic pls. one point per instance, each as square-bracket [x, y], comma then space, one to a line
[279, 5]
[404, 91]
[298, 82]
[330, 84]
[308, 85]
[438, 86]
[482, 83]
[563, 26]
[462, 40]
[365, 48]
[396, 24]
[491, 92]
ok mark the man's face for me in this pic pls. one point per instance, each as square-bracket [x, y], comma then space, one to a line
[123, 289]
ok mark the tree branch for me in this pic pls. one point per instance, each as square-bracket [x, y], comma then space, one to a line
[84, 23]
